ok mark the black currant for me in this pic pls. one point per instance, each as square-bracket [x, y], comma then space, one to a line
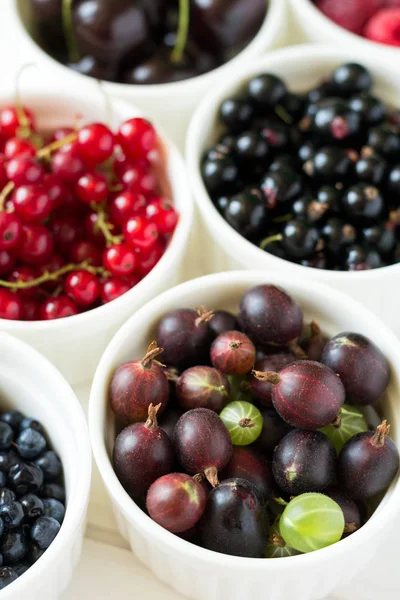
[363, 201]
[246, 213]
[266, 90]
[351, 78]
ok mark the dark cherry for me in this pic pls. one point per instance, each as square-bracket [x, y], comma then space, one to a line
[262, 390]
[176, 502]
[304, 461]
[203, 387]
[368, 463]
[136, 385]
[361, 366]
[223, 321]
[235, 521]
[268, 315]
[351, 512]
[274, 429]
[142, 453]
[202, 443]
[233, 353]
[247, 463]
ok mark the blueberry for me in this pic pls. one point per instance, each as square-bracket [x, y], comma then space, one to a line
[12, 514]
[8, 459]
[13, 418]
[54, 508]
[21, 567]
[236, 114]
[6, 436]
[43, 531]
[351, 78]
[53, 490]
[50, 464]
[31, 424]
[266, 91]
[32, 506]
[7, 576]
[30, 443]
[13, 546]
[25, 478]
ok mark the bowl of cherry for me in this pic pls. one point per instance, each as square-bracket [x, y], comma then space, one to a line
[296, 169]
[152, 52]
[45, 472]
[89, 231]
[261, 424]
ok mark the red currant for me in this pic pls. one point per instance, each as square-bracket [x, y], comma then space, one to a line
[18, 147]
[10, 231]
[137, 138]
[61, 133]
[36, 245]
[67, 165]
[161, 212]
[56, 190]
[32, 203]
[31, 309]
[9, 121]
[85, 250]
[24, 170]
[58, 308]
[125, 205]
[119, 259]
[10, 306]
[24, 274]
[140, 233]
[137, 179]
[66, 230]
[7, 261]
[113, 288]
[147, 261]
[95, 143]
[55, 263]
[92, 230]
[82, 287]
[92, 187]
[3, 173]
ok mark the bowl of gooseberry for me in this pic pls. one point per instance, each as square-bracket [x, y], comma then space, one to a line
[69, 275]
[45, 475]
[218, 467]
[300, 192]
[152, 53]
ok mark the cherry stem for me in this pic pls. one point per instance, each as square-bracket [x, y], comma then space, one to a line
[269, 240]
[152, 352]
[24, 124]
[246, 422]
[73, 52]
[212, 476]
[381, 432]
[204, 315]
[6, 191]
[47, 150]
[269, 376]
[183, 31]
[105, 227]
[277, 540]
[151, 422]
[350, 528]
[48, 276]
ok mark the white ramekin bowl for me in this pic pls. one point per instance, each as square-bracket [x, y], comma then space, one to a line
[316, 27]
[301, 67]
[196, 572]
[170, 104]
[75, 344]
[29, 383]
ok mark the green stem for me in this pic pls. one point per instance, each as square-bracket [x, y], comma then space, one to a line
[73, 52]
[270, 240]
[47, 150]
[105, 227]
[48, 276]
[183, 31]
[6, 191]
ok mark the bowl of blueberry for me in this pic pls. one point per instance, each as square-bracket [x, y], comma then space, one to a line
[45, 471]
[151, 52]
[262, 424]
[297, 169]
[95, 213]
[370, 24]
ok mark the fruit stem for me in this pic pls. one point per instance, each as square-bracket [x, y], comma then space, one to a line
[212, 476]
[7, 189]
[246, 422]
[151, 422]
[269, 376]
[47, 150]
[297, 350]
[199, 477]
[235, 345]
[105, 227]
[315, 330]
[183, 31]
[152, 352]
[337, 422]
[283, 114]
[73, 52]
[204, 315]
[280, 501]
[350, 528]
[277, 540]
[171, 374]
[270, 240]
[381, 432]
[48, 276]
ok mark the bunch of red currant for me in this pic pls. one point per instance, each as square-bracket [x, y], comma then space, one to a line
[84, 214]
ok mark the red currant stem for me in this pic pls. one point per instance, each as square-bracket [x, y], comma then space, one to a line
[277, 540]
[5, 193]
[57, 291]
[47, 276]
[381, 432]
[104, 226]
[183, 31]
[270, 240]
[151, 422]
[73, 52]
[47, 150]
[268, 376]
[117, 187]
[152, 352]
[24, 124]
[212, 476]
[204, 315]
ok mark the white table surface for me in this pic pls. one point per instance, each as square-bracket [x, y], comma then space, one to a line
[108, 568]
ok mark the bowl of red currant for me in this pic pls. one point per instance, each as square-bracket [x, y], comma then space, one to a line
[95, 215]
[262, 424]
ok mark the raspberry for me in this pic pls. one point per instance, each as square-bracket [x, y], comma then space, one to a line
[384, 27]
[350, 14]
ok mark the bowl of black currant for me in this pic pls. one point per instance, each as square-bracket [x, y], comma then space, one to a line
[164, 54]
[261, 425]
[297, 168]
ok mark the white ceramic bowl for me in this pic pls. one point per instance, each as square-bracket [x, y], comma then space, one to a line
[29, 383]
[316, 27]
[171, 104]
[75, 344]
[196, 572]
[302, 67]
